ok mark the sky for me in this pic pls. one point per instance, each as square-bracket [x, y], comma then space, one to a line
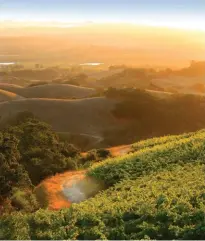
[186, 14]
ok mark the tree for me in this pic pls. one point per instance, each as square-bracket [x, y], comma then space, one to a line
[42, 153]
[12, 173]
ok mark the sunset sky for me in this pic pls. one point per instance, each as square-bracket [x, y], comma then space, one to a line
[185, 14]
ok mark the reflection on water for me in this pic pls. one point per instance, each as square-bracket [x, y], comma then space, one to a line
[81, 189]
[8, 63]
[92, 64]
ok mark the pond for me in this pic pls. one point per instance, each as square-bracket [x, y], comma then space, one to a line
[61, 190]
[7, 63]
[91, 64]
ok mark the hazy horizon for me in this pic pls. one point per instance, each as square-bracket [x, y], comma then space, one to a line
[113, 32]
[183, 14]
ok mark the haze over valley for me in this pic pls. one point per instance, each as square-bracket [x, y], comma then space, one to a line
[102, 120]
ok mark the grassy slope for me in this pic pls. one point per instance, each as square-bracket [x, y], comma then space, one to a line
[86, 116]
[151, 159]
[58, 91]
[80, 121]
[158, 141]
[157, 192]
[11, 88]
[8, 96]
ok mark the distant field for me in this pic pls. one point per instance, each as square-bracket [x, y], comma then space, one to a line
[186, 85]
[104, 74]
[9, 79]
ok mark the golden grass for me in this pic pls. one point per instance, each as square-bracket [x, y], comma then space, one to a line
[51, 189]
[8, 96]
[54, 91]
[89, 116]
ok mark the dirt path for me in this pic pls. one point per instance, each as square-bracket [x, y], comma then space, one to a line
[50, 191]
[61, 190]
[116, 150]
[120, 150]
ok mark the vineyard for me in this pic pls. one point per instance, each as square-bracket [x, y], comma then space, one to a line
[185, 149]
[155, 192]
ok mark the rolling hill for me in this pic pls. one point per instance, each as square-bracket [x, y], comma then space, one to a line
[57, 91]
[11, 88]
[122, 117]
[86, 118]
[182, 84]
[130, 77]
[11, 79]
[8, 96]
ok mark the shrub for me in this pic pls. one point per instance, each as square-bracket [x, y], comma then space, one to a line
[24, 200]
[103, 153]
[93, 156]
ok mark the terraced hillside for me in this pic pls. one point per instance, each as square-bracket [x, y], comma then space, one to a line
[156, 192]
[151, 159]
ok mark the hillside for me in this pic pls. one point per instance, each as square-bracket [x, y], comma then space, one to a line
[40, 74]
[130, 77]
[78, 119]
[181, 84]
[8, 96]
[156, 192]
[122, 117]
[56, 91]
[11, 88]
[102, 120]
[104, 74]
[11, 79]
[77, 116]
